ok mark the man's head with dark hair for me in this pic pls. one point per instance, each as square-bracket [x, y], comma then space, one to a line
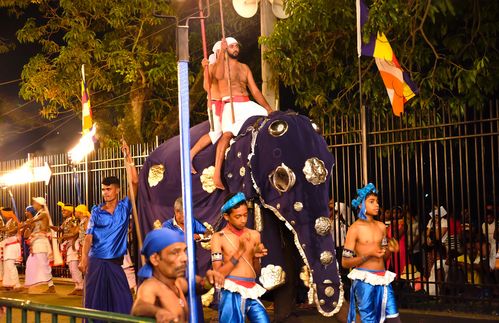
[110, 188]
[111, 180]
[235, 210]
[368, 192]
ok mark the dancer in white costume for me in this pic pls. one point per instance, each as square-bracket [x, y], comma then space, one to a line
[38, 270]
[11, 251]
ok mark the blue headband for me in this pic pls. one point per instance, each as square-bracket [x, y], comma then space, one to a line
[155, 241]
[361, 199]
[31, 210]
[236, 199]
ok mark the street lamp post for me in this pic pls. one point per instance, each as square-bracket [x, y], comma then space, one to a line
[185, 159]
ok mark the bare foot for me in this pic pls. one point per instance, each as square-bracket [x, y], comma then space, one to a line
[193, 170]
[217, 181]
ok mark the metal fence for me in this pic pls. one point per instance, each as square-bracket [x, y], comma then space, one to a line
[419, 163]
[70, 184]
[17, 311]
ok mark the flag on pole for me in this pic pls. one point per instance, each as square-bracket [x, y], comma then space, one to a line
[86, 110]
[398, 84]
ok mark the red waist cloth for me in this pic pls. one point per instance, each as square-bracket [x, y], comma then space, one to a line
[219, 108]
[243, 283]
[238, 98]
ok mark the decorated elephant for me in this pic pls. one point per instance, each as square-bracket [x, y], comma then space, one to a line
[283, 167]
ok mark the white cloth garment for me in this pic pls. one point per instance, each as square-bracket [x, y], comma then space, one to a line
[242, 112]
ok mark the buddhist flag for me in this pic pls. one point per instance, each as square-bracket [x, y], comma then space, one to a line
[398, 84]
[86, 109]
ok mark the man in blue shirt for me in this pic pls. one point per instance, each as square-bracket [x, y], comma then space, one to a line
[176, 223]
[106, 286]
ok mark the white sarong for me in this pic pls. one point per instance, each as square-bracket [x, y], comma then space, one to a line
[242, 112]
[38, 269]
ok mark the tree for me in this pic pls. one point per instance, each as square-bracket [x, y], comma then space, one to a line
[129, 58]
[448, 47]
[128, 55]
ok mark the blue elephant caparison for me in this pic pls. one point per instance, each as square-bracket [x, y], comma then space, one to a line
[283, 165]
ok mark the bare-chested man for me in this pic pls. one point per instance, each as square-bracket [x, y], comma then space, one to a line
[235, 253]
[162, 294]
[366, 249]
[210, 83]
[38, 270]
[241, 79]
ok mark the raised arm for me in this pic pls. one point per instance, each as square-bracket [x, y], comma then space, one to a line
[206, 74]
[260, 251]
[220, 63]
[255, 91]
[131, 170]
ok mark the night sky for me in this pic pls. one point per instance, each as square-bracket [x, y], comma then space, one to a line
[22, 129]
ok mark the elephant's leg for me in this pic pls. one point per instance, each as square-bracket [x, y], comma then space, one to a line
[285, 295]
[222, 146]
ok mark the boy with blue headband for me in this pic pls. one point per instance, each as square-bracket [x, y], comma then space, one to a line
[235, 253]
[365, 250]
[161, 295]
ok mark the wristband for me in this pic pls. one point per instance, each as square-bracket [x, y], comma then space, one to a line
[234, 261]
[217, 256]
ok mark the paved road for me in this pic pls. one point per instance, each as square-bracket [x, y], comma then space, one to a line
[63, 287]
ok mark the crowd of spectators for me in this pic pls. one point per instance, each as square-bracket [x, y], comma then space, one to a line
[441, 252]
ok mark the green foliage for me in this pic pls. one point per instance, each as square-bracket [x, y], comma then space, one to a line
[128, 55]
[129, 58]
[448, 47]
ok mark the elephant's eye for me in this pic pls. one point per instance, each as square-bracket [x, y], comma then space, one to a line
[278, 128]
[282, 178]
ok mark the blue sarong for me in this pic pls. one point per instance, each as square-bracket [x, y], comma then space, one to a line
[372, 294]
[235, 308]
[106, 286]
